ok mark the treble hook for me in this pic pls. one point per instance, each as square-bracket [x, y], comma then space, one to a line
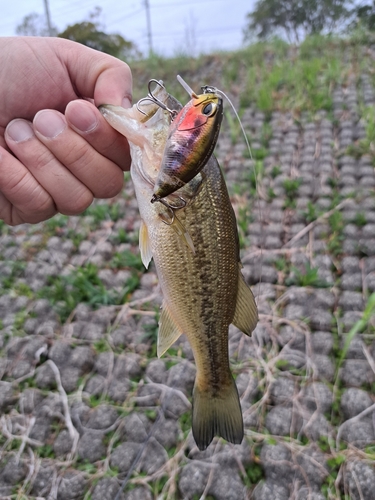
[171, 208]
[155, 100]
[169, 205]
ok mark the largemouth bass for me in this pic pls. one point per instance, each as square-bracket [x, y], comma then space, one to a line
[196, 254]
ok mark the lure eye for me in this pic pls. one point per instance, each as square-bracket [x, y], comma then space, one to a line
[209, 109]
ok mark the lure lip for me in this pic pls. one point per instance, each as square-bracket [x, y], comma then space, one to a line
[188, 89]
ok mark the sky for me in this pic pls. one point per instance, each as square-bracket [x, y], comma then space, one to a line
[177, 26]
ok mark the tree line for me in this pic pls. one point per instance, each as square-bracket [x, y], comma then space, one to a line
[90, 32]
[295, 19]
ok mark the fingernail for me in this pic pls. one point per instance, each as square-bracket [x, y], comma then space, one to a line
[84, 118]
[126, 103]
[49, 123]
[20, 130]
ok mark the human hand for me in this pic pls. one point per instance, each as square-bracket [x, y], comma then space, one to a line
[49, 161]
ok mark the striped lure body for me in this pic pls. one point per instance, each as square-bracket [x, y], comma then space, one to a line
[191, 140]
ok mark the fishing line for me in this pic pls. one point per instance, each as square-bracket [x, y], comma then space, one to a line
[209, 89]
[239, 121]
[259, 208]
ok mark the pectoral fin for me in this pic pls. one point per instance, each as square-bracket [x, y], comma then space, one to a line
[144, 245]
[180, 230]
[168, 331]
[246, 314]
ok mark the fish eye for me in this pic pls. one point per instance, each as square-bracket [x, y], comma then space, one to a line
[209, 109]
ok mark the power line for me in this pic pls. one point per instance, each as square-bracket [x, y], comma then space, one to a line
[214, 31]
[125, 16]
[185, 4]
[72, 7]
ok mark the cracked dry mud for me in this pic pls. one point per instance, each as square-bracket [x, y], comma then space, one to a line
[89, 412]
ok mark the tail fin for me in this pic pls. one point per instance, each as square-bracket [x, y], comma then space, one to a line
[220, 415]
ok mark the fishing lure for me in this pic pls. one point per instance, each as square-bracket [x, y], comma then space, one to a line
[192, 137]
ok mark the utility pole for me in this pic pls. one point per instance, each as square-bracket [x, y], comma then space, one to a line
[147, 6]
[48, 17]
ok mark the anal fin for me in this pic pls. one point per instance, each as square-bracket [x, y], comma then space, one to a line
[168, 331]
[246, 313]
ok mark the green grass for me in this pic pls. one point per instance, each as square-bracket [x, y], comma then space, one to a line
[233, 125]
[335, 237]
[358, 327]
[242, 223]
[185, 422]
[256, 153]
[254, 473]
[151, 334]
[272, 80]
[310, 214]
[127, 259]
[291, 187]
[121, 237]
[104, 211]
[101, 346]
[308, 277]
[296, 84]
[46, 451]
[253, 175]
[17, 269]
[281, 264]
[57, 222]
[83, 285]
[360, 219]
[365, 146]
[275, 172]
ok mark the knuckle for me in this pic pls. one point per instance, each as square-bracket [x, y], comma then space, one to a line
[42, 158]
[117, 147]
[39, 206]
[112, 184]
[77, 203]
[78, 157]
[110, 145]
[15, 182]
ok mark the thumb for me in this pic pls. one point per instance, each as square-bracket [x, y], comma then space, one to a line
[96, 75]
